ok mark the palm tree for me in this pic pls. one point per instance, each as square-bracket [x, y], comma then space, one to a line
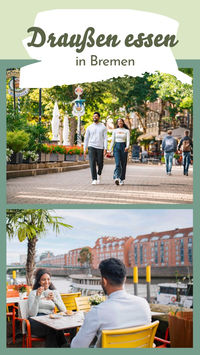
[31, 224]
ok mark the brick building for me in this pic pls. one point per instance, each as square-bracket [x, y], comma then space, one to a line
[71, 258]
[107, 247]
[57, 260]
[168, 248]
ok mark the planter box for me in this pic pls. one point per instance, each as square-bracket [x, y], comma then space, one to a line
[81, 157]
[71, 157]
[181, 329]
[61, 157]
[53, 157]
[44, 157]
[16, 158]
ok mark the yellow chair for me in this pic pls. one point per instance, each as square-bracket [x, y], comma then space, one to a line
[83, 304]
[137, 337]
[69, 300]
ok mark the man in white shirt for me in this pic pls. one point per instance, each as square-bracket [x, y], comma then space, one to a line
[120, 310]
[96, 141]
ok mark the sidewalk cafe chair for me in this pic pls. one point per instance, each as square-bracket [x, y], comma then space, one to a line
[165, 342]
[136, 337]
[11, 308]
[69, 300]
[83, 304]
[27, 338]
[11, 313]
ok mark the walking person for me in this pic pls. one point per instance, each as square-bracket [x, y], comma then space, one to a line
[169, 146]
[96, 141]
[121, 142]
[187, 145]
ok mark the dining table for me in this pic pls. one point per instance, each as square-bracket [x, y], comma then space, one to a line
[61, 322]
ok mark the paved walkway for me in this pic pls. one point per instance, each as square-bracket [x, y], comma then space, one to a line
[145, 184]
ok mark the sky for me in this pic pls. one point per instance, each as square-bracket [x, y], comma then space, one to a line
[88, 225]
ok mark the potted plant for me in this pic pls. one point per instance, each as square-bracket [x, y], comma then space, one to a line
[22, 290]
[181, 329]
[96, 299]
[30, 157]
[17, 141]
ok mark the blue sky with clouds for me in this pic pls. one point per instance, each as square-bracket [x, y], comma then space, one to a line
[88, 225]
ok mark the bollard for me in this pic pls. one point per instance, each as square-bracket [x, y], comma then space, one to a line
[14, 274]
[148, 281]
[135, 280]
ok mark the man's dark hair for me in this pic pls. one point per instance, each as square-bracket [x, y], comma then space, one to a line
[97, 113]
[113, 270]
[38, 276]
[187, 132]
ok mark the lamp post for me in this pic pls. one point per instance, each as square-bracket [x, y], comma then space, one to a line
[78, 110]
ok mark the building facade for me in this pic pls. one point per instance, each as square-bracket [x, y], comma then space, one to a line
[158, 249]
[108, 247]
[168, 248]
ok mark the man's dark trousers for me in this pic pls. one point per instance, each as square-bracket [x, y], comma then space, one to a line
[96, 160]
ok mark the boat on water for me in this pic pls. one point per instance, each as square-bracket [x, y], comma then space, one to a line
[179, 294]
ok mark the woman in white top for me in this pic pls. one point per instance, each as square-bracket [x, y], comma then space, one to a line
[120, 141]
[42, 300]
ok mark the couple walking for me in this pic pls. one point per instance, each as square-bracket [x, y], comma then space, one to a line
[96, 142]
[169, 146]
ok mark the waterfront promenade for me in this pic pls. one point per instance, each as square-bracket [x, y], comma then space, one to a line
[145, 184]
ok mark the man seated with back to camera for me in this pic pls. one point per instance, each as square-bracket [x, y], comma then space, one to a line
[120, 310]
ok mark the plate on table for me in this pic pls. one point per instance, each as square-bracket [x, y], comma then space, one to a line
[55, 316]
[69, 314]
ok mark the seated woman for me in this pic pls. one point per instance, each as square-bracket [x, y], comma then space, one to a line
[42, 300]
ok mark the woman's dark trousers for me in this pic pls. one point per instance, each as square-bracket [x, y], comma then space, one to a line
[120, 161]
[53, 338]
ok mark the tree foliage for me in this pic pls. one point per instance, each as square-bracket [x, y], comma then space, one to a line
[29, 225]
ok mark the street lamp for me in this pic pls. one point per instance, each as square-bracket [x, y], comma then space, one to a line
[78, 110]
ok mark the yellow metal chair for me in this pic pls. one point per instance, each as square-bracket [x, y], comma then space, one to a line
[69, 300]
[137, 337]
[83, 304]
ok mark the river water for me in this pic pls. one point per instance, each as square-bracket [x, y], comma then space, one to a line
[62, 284]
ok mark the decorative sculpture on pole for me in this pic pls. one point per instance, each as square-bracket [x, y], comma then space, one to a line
[66, 131]
[78, 110]
[55, 123]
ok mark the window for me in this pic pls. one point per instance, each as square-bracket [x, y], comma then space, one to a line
[165, 237]
[190, 250]
[155, 238]
[178, 235]
[141, 254]
[135, 255]
[182, 250]
[156, 252]
[162, 252]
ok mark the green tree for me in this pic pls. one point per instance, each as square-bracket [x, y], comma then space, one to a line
[85, 257]
[173, 94]
[29, 225]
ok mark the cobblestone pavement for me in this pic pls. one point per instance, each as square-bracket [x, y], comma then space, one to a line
[145, 184]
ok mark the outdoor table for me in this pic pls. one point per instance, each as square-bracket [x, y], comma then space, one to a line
[62, 322]
[11, 300]
[154, 314]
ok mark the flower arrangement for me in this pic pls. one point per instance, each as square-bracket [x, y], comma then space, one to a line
[21, 288]
[61, 149]
[96, 299]
[30, 154]
[9, 152]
